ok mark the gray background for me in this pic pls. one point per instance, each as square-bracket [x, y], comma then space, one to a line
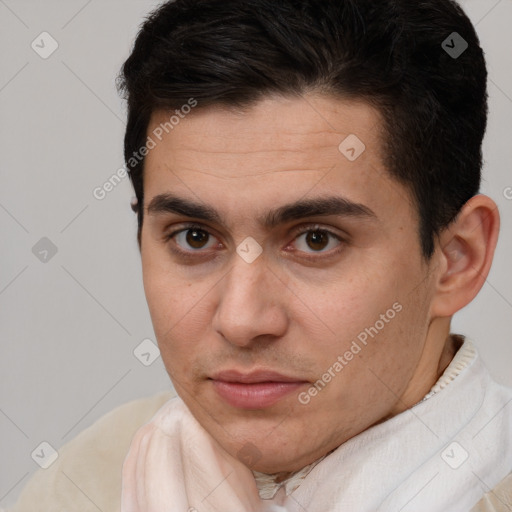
[69, 325]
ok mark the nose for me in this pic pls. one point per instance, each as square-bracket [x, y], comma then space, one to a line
[250, 306]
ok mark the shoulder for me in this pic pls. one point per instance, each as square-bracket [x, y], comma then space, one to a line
[499, 499]
[87, 474]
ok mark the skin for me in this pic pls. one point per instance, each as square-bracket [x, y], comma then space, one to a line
[298, 306]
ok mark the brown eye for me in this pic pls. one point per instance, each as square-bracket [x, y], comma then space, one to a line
[197, 238]
[317, 240]
[193, 239]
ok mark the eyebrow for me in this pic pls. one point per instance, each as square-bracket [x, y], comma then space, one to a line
[321, 206]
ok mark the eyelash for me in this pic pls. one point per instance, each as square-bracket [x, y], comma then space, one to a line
[296, 232]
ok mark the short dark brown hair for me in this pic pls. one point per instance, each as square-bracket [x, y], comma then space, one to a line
[388, 52]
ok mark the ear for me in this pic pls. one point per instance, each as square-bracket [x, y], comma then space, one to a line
[464, 254]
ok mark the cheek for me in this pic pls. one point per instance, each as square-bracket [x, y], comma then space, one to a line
[374, 323]
[391, 345]
[347, 304]
[180, 310]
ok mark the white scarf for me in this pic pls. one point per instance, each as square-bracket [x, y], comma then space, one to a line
[441, 455]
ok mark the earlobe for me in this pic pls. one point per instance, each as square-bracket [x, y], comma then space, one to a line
[465, 252]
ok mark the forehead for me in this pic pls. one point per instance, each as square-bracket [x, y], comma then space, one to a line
[278, 124]
[275, 152]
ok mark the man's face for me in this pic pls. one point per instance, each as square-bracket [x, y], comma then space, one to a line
[245, 336]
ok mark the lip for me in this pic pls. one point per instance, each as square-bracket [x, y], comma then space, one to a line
[254, 377]
[255, 390]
